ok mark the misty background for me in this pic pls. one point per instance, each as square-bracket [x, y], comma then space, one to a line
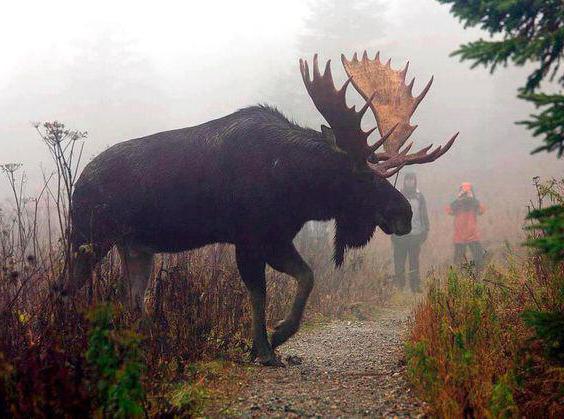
[122, 70]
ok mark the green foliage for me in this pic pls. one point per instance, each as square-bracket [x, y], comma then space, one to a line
[532, 31]
[549, 327]
[550, 122]
[491, 344]
[422, 367]
[502, 403]
[188, 398]
[546, 232]
[451, 353]
[550, 224]
[116, 359]
[188, 391]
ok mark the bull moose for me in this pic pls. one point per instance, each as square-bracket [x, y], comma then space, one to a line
[253, 179]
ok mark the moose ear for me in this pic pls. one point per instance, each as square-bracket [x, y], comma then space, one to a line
[328, 135]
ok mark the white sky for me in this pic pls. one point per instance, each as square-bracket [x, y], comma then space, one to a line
[159, 30]
[175, 38]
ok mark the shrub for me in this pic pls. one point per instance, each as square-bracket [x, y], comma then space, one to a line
[115, 357]
[471, 351]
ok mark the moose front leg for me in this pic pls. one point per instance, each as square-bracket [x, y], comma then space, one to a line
[251, 267]
[286, 259]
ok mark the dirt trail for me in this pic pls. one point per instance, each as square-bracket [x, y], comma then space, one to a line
[348, 368]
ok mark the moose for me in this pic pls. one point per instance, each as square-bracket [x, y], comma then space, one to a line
[253, 179]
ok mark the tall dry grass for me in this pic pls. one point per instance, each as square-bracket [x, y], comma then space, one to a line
[470, 352]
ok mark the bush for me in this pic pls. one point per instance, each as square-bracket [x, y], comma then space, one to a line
[471, 351]
[115, 357]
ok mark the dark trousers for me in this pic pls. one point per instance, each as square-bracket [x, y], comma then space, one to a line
[407, 248]
[476, 250]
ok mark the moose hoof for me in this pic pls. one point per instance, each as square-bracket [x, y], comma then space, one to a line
[271, 361]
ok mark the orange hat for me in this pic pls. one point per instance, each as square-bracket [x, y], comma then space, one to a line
[465, 187]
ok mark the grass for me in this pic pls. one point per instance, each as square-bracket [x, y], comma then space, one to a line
[471, 351]
[206, 387]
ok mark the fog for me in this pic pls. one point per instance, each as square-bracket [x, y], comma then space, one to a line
[128, 69]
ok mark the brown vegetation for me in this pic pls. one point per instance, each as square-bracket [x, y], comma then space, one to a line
[489, 344]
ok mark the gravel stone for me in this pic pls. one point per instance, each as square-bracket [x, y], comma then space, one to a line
[342, 369]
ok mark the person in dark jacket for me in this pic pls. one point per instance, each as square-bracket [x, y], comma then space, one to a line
[466, 209]
[408, 247]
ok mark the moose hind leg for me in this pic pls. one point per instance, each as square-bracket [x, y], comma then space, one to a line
[136, 266]
[286, 259]
[251, 267]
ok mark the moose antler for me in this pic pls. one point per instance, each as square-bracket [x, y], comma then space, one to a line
[344, 120]
[393, 105]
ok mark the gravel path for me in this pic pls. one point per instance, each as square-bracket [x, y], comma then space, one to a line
[348, 368]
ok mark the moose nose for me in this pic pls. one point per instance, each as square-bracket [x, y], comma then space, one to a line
[401, 228]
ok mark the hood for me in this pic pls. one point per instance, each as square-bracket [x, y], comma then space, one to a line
[412, 188]
[466, 189]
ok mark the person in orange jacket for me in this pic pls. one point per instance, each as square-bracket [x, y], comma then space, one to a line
[465, 209]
